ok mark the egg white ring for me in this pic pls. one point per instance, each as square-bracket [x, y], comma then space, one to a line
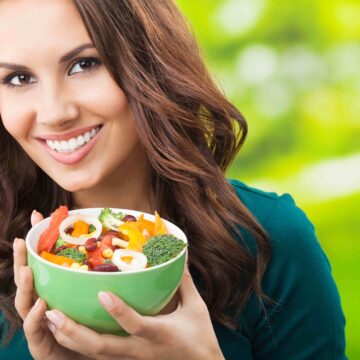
[72, 219]
[139, 260]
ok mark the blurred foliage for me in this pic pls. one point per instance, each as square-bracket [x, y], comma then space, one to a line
[292, 68]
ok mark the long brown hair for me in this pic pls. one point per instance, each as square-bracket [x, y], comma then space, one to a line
[190, 132]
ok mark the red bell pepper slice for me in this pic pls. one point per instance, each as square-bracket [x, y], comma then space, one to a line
[95, 257]
[49, 237]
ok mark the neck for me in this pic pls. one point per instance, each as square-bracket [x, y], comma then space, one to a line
[127, 188]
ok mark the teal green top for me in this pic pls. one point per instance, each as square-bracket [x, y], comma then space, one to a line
[307, 321]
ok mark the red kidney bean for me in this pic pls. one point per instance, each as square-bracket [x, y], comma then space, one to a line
[91, 244]
[62, 247]
[127, 218]
[69, 230]
[106, 268]
[109, 233]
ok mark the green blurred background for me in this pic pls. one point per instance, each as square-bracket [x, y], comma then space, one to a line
[293, 69]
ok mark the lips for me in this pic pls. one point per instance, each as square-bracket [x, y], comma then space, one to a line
[68, 135]
[75, 156]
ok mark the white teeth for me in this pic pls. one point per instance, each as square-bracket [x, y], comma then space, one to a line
[80, 140]
[87, 136]
[73, 143]
[64, 145]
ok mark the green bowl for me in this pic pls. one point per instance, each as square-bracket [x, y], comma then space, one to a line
[75, 292]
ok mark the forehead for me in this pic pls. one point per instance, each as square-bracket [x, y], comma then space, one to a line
[29, 27]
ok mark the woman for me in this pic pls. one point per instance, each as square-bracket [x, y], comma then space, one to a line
[108, 104]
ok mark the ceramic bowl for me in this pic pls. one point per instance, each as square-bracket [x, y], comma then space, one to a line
[75, 292]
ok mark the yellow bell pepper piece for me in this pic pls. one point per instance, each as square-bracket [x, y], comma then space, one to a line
[136, 239]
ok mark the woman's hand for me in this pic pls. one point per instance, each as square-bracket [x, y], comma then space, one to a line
[186, 333]
[41, 342]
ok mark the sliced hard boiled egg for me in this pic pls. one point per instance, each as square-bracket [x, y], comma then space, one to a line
[138, 262]
[72, 219]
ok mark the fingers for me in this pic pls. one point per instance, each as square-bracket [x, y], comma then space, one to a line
[83, 340]
[19, 258]
[20, 248]
[25, 291]
[36, 217]
[33, 322]
[130, 320]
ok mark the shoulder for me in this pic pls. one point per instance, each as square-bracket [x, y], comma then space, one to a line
[291, 234]
[298, 279]
[285, 223]
[262, 203]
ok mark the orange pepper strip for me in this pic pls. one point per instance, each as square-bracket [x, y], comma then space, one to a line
[147, 225]
[57, 259]
[80, 228]
[160, 227]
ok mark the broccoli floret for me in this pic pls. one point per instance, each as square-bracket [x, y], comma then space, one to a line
[161, 248]
[74, 254]
[92, 228]
[59, 242]
[111, 219]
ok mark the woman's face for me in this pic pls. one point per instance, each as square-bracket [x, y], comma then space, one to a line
[56, 98]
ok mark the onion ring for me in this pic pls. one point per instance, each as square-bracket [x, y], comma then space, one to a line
[138, 262]
[70, 220]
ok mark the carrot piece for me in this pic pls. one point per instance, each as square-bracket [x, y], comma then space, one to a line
[57, 259]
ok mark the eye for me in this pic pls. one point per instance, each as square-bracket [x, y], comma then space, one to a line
[19, 80]
[85, 64]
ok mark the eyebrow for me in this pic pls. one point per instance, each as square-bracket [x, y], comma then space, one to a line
[65, 58]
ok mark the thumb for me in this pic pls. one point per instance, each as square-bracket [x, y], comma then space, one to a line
[36, 217]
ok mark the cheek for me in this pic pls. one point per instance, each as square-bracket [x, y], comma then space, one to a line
[16, 119]
[106, 99]
[109, 103]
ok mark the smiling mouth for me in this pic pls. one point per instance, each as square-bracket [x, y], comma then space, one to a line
[73, 144]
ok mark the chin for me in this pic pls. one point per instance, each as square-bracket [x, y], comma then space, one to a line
[75, 186]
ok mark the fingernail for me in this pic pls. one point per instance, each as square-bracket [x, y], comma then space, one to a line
[55, 317]
[33, 212]
[51, 326]
[37, 303]
[106, 299]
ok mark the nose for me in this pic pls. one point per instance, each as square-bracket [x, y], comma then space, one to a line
[56, 108]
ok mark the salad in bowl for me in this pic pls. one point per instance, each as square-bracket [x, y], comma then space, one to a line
[74, 254]
[111, 242]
